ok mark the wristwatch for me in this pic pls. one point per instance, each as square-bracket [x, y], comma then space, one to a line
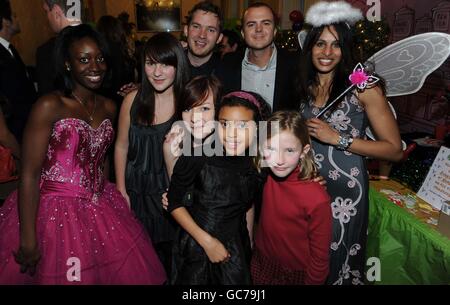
[345, 140]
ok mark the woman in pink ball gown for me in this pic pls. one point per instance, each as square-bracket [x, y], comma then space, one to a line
[67, 224]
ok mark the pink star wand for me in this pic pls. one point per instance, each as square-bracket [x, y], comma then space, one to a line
[360, 79]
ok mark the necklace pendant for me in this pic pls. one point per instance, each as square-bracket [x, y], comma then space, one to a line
[91, 118]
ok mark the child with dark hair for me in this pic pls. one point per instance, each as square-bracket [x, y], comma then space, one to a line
[198, 105]
[213, 244]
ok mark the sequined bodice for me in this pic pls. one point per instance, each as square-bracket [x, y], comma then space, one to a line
[75, 157]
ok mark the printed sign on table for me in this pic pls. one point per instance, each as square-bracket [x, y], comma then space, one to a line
[436, 188]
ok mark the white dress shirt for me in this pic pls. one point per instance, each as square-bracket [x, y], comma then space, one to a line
[260, 80]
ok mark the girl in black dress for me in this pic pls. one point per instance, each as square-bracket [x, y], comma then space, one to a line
[145, 118]
[210, 197]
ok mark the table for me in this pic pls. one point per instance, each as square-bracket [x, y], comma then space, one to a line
[411, 250]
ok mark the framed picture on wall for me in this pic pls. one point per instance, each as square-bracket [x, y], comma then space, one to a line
[158, 16]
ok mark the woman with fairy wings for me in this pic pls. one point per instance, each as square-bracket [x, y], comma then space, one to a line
[338, 135]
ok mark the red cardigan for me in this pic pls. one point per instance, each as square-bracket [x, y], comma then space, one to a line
[295, 226]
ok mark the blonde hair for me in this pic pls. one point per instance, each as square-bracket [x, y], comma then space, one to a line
[293, 122]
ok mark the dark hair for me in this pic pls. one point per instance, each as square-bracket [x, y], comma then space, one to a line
[127, 26]
[261, 4]
[114, 32]
[197, 91]
[112, 29]
[206, 6]
[161, 48]
[293, 122]
[260, 113]
[233, 38]
[64, 41]
[63, 4]
[5, 12]
[123, 63]
[307, 78]
[308, 74]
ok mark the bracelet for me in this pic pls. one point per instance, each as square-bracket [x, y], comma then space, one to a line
[345, 140]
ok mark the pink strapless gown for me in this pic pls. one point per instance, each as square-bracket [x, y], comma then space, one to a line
[82, 218]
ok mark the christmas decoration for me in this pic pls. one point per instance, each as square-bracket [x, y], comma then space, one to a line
[297, 26]
[287, 39]
[371, 37]
[296, 16]
[297, 20]
[412, 172]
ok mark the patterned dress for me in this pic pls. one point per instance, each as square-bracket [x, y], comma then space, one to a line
[347, 184]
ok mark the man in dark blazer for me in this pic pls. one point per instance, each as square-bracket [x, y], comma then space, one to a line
[56, 11]
[261, 67]
[15, 83]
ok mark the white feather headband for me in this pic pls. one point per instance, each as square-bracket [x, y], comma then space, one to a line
[326, 13]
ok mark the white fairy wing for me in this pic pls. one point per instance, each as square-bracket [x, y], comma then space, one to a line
[406, 64]
[302, 37]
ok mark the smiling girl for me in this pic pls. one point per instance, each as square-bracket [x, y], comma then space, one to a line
[294, 231]
[198, 103]
[213, 245]
[69, 214]
[145, 118]
[339, 140]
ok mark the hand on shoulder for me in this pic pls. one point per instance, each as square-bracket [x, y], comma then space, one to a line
[128, 88]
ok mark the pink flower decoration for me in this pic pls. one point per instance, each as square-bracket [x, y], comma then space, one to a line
[359, 77]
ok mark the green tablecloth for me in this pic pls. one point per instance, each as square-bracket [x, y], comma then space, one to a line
[410, 251]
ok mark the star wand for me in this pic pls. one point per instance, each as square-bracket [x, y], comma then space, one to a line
[360, 79]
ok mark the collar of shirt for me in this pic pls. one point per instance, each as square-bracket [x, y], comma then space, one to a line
[6, 44]
[270, 65]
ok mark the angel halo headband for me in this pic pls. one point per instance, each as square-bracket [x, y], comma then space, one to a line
[326, 13]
